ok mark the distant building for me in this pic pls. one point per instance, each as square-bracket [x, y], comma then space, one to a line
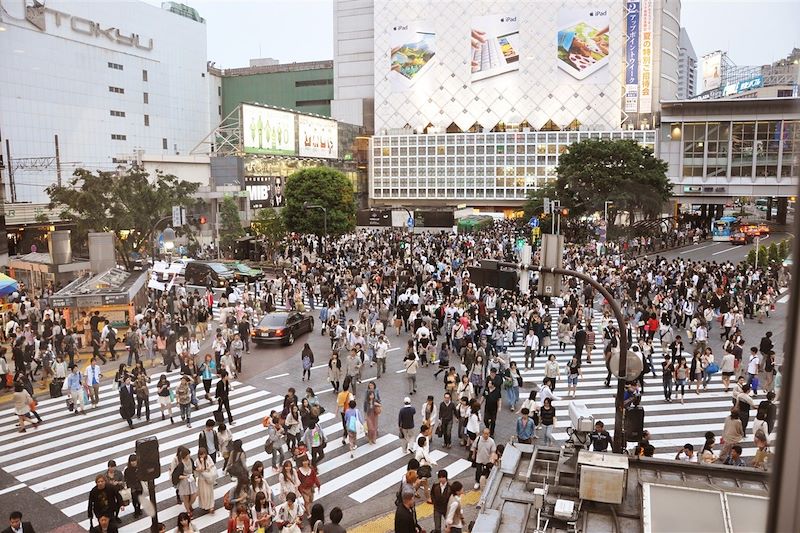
[687, 67]
[306, 87]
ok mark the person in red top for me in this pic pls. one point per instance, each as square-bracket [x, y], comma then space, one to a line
[651, 326]
[307, 475]
[240, 523]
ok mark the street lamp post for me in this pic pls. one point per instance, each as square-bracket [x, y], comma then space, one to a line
[155, 235]
[306, 207]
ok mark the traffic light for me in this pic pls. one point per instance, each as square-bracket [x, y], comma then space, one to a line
[564, 212]
[202, 219]
[197, 220]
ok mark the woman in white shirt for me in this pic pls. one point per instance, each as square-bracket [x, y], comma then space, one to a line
[288, 480]
[424, 472]
[465, 389]
[473, 423]
[552, 371]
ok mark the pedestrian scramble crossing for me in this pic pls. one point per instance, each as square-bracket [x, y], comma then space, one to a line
[60, 459]
[671, 425]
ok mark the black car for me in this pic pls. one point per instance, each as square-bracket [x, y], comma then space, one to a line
[205, 273]
[282, 327]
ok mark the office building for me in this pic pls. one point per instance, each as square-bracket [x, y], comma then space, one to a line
[687, 67]
[93, 84]
[473, 102]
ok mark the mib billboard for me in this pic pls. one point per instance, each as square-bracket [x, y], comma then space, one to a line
[467, 63]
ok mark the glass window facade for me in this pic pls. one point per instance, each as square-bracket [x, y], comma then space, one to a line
[484, 166]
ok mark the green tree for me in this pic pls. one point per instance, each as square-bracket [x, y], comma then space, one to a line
[230, 225]
[319, 186]
[270, 227]
[763, 256]
[621, 171]
[128, 204]
[535, 203]
[784, 250]
[751, 256]
[773, 253]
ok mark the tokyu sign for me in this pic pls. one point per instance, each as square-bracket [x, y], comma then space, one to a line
[40, 16]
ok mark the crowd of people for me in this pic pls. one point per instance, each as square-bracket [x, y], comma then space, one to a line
[368, 288]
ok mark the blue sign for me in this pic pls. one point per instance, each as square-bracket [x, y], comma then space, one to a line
[632, 44]
[410, 222]
[742, 86]
[533, 222]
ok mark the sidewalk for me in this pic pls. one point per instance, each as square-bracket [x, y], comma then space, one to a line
[82, 359]
[385, 523]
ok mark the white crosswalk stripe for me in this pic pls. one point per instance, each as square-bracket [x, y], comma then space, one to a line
[60, 458]
[685, 423]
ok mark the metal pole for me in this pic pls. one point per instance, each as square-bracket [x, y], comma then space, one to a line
[58, 163]
[12, 188]
[325, 228]
[619, 418]
[758, 240]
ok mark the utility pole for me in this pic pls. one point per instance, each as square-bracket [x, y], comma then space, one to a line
[10, 163]
[619, 418]
[58, 163]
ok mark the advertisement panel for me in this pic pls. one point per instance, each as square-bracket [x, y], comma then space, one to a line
[712, 71]
[494, 46]
[413, 47]
[632, 22]
[265, 191]
[732, 89]
[646, 58]
[444, 62]
[583, 44]
[267, 131]
[317, 137]
[374, 217]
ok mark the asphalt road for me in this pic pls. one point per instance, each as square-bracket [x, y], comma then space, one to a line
[363, 486]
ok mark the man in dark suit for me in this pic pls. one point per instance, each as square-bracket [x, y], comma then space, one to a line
[16, 525]
[127, 401]
[223, 395]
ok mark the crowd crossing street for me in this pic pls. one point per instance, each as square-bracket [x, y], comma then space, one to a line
[410, 372]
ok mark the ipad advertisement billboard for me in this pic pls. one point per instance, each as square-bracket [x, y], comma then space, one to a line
[267, 131]
[447, 62]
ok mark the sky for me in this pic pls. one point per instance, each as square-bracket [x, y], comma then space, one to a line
[752, 32]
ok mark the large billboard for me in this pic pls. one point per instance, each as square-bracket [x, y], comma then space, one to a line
[443, 62]
[646, 53]
[632, 24]
[267, 131]
[317, 137]
[712, 71]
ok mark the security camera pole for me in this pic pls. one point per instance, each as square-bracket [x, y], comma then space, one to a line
[549, 280]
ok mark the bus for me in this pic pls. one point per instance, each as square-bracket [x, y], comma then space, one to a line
[722, 229]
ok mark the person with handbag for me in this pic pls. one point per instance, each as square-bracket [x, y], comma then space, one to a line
[454, 523]
[274, 442]
[354, 420]
[425, 470]
[133, 485]
[239, 522]
[314, 439]
[289, 515]
[207, 474]
[164, 397]
[22, 406]
[308, 482]
[372, 410]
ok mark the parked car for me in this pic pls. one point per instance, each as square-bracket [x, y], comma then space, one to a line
[206, 273]
[741, 238]
[282, 328]
[243, 272]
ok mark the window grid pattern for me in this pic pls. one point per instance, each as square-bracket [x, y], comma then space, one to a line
[480, 166]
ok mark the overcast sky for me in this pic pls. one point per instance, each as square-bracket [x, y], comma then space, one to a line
[753, 32]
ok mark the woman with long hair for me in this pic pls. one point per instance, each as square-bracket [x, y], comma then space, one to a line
[264, 511]
[372, 409]
[307, 359]
[308, 481]
[206, 477]
[164, 397]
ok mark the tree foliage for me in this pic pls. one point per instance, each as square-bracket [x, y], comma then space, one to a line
[230, 225]
[621, 171]
[270, 227]
[319, 186]
[129, 204]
